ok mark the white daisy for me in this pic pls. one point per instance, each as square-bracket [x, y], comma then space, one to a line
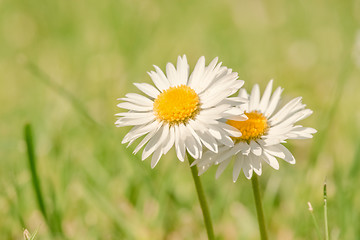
[262, 134]
[183, 110]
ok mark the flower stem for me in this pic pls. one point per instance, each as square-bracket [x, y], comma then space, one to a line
[202, 200]
[259, 209]
[325, 213]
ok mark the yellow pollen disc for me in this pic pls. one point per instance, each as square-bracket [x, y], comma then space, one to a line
[177, 105]
[251, 129]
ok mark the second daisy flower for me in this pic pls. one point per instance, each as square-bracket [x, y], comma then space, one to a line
[263, 133]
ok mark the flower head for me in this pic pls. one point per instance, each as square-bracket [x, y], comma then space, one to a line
[185, 110]
[262, 134]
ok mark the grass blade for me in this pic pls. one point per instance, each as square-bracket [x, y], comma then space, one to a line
[42, 76]
[55, 229]
[325, 213]
[34, 175]
[311, 210]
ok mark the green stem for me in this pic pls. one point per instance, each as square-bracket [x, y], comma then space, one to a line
[36, 182]
[259, 209]
[33, 170]
[325, 213]
[311, 210]
[202, 200]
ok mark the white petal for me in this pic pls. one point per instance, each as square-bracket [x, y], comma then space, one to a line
[172, 74]
[161, 83]
[138, 99]
[165, 83]
[228, 154]
[244, 147]
[242, 117]
[236, 100]
[255, 163]
[220, 90]
[301, 132]
[254, 98]
[169, 142]
[247, 169]
[255, 148]
[275, 151]
[294, 118]
[202, 169]
[139, 131]
[273, 102]
[215, 133]
[220, 135]
[221, 168]
[234, 132]
[235, 113]
[284, 111]
[156, 157]
[226, 140]
[179, 144]
[197, 73]
[127, 121]
[271, 160]
[182, 70]
[213, 100]
[191, 145]
[282, 152]
[155, 142]
[243, 93]
[209, 75]
[146, 139]
[131, 114]
[270, 141]
[214, 112]
[305, 114]
[147, 89]
[266, 97]
[194, 136]
[205, 137]
[134, 107]
[237, 166]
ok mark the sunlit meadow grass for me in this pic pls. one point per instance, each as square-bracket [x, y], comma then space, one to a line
[63, 64]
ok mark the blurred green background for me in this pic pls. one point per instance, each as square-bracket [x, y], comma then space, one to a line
[64, 63]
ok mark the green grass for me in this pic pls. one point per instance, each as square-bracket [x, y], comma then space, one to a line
[63, 64]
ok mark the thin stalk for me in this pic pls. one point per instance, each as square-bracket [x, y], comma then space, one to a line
[259, 208]
[202, 200]
[311, 210]
[325, 213]
[75, 102]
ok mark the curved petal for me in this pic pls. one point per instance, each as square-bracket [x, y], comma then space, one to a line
[254, 98]
[147, 89]
[266, 97]
[221, 168]
[273, 102]
[239, 160]
[164, 81]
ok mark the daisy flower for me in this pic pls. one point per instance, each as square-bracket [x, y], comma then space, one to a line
[263, 133]
[183, 109]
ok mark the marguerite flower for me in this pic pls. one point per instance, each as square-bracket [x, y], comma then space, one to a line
[183, 110]
[262, 134]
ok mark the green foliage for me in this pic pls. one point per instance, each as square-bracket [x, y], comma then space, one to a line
[63, 64]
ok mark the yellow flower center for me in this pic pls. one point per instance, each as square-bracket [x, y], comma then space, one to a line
[251, 129]
[177, 105]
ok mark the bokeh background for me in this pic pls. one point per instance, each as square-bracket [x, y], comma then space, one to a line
[64, 63]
